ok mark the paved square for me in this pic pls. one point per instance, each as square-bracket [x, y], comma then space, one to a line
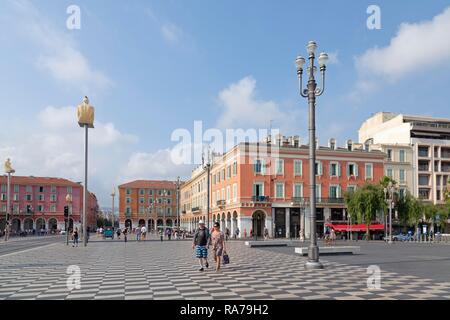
[168, 270]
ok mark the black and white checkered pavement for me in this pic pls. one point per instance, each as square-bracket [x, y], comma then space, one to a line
[168, 270]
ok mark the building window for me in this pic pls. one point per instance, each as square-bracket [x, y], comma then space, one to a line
[402, 176]
[53, 189]
[228, 194]
[279, 166]
[258, 166]
[298, 164]
[69, 190]
[352, 170]
[402, 156]
[369, 171]
[4, 208]
[4, 187]
[141, 200]
[41, 189]
[235, 192]
[228, 172]
[424, 180]
[351, 188]
[389, 173]
[53, 197]
[28, 197]
[234, 168]
[40, 208]
[141, 210]
[3, 197]
[16, 188]
[389, 154]
[402, 193]
[279, 190]
[16, 197]
[319, 168]
[53, 208]
[168, 201]
[29, 189]
[128, 192]
[423, 151]
[318, 191]
[334, 169]
[141, 192]
[128, 210]
[150, 201]
[298, 190]
[258, 189]
[334, 192]
[128, 200]
[150, 192]
[40, 197]
[424, 194]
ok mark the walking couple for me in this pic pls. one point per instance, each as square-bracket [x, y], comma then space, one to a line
[203, 239]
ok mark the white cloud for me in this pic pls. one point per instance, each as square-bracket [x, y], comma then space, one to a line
[52, 144]
[333, 57]
[241, 109]
[157, 165]
[416, 46]
[56, 51]
[171, 33]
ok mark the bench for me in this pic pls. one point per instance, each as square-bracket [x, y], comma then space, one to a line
[330, 250]
[267, 243]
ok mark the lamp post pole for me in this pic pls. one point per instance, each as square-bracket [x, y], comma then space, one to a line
[389, 193]
[85, 113]
[9, 170]
[178, 203]
[311, 92]
[113, 194]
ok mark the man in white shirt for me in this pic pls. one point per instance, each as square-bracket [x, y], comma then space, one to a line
[143, 232]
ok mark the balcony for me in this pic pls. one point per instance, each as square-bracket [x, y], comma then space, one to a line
[260, 199]
[196, 210]
[221, 203]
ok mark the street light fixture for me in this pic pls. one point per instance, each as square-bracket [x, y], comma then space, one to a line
[311, 92]
[9, 171]
[389, 196]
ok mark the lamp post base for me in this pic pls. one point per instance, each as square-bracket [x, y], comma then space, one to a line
[312, 265]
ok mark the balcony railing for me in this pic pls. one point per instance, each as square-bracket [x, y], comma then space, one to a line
[260, 199]
[196, 209]
[221, 203]
[299, 200]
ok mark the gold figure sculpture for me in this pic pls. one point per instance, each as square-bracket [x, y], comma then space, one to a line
[8, 167]
[85, 114]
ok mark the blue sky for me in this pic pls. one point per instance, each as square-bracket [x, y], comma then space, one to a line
[150, 67]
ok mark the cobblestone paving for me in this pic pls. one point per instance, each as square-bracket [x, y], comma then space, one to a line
[168, 270]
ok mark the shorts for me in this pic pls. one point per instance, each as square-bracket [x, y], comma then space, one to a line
[201, 252]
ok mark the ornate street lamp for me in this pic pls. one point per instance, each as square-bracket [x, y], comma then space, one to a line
[9, 171]
[311, 92]
[389, 196]
[113, 194]
[85, 113]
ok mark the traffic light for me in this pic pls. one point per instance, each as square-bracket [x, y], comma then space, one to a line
[66, 211]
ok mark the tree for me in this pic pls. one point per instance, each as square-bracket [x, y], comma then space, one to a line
[415, 212]
[364, 203]
[403, 206]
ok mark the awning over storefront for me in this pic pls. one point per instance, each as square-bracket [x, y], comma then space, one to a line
[355, 227]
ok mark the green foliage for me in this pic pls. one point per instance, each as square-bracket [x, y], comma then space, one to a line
[364, 203]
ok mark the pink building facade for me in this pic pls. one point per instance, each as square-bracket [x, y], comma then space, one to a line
[37, 203]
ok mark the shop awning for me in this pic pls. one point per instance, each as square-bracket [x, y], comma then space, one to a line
[355, 227]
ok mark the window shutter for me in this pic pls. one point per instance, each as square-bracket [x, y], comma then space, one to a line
[263, 166]
[330, 172]
[356, 169]
[320, 169]
[338, 166]
[348, 169]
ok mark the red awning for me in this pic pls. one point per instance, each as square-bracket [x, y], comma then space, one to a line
[355, 227]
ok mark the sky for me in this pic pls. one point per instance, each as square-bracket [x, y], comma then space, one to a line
[153, 68]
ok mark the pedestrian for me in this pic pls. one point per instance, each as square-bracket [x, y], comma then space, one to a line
[332, 237]
[245, 233]
[75, 237]
[236, 233]
[118, 233]
[169, 233]
[143, 232]
[227, 234]
[161, 235]
[218, 244]
[202, 240]
[138, 233]
[125, 232]
[266, 233]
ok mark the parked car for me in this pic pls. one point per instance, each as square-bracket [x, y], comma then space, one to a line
[108, 233]
[402, 237]
[62, 232]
